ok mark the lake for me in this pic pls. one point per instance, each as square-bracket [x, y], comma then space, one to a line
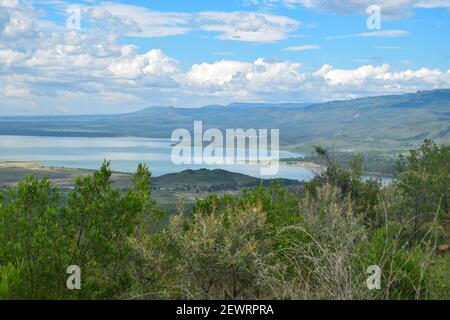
[125, 154]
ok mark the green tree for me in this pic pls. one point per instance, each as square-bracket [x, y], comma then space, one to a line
[32, 232]
[364, 192]
[102, 221]
[424, 179]
[41, 234]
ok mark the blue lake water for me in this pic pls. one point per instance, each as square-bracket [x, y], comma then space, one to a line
[124, 152]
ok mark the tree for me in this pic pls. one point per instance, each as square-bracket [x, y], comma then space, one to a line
[363, 192]
[33, 238]
[102, 220]
[41, 234]
[424, 178]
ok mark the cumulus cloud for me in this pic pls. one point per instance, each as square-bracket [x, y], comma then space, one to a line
[377, 80]
[248, 26]
[139, 21]
[216, 74]
[60, 70]
[278, 80]
[17, 21]
[9, 57]
[143, 22]
[132, 66]
[9, 3]
[226, 77]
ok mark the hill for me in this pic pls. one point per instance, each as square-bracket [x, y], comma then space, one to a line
[384, 124]
[212, 180]
[167, 189]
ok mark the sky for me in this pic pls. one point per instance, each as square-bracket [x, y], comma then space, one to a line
[97, 57]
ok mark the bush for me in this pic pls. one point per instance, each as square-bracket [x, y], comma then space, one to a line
[9, 280]
[267, 243]
[91, 231]
[405, 272]
[219, 255]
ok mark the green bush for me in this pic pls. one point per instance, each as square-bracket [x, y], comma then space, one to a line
[405, 271]
[266, 243]
[9, 280]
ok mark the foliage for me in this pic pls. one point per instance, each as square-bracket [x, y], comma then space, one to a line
[267, 243]
[364, 193]
[424, 179]
[91, 231]
[219, 254]
[9, 280]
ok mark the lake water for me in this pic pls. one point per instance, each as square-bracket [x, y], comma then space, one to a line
[124, 152]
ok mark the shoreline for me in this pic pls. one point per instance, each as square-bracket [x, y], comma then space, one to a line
[37, 165]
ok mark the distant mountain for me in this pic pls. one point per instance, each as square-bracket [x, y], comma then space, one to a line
[238, 105]
[380, 124]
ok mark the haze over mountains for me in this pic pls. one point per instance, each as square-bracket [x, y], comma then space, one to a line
[384, 123]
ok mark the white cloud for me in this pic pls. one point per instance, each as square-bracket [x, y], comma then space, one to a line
[239, 26]
[389, 8]
[9, 57]
[19, 25]
[248, 26]
[216, 74]
[143, 22]
[274, 76]
[91, 70]
[15, 91]
[352, 77]
[303, 47]
[374, 34]
[153, 63]
[226, 77]
[9, 3]
[275, 80]
[377, 80]
[431, 4]
[17, 21]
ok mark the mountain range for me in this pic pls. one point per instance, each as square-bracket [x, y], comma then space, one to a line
[373, 124]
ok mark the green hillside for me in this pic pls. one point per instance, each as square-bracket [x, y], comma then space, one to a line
[212, 180]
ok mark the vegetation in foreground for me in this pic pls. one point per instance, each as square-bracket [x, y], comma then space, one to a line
[268, 242]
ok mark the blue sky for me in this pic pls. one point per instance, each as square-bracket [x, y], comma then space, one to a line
[131, 54]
